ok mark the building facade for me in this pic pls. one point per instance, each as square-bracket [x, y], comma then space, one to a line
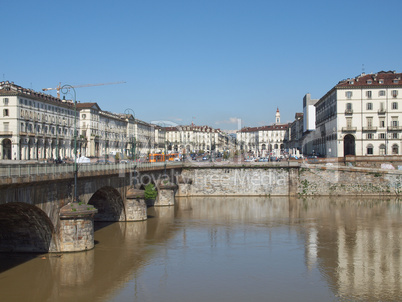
[193, 139]
[294, 135]
[360, 116]
[34, 125]
[37, 126]
[265, 140]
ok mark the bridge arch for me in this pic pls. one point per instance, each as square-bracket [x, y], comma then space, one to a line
[109, 203]
[24, 228]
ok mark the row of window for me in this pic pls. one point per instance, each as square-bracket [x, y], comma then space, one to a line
[380, 81]
[382, 149]
[46, 107]
[394, 94]
[28, 127]
[371, 136]
[381, 136]
[369, 122]
[369, 106]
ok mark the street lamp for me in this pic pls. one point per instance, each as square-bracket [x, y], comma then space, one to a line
[212, 142]
[129, 111]
[65, 89]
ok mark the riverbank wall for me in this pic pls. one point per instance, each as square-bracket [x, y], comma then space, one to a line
[281, 180]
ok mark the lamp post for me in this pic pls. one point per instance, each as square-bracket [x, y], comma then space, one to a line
[57, 145]
[129, 111]
[165, 154]
[212, 141]
[65, 89]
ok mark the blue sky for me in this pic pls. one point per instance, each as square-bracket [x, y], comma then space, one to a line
[206, 61]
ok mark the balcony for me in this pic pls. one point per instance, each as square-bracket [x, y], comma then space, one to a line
[6, 133]
[394, 128]
[370, 128]
[348, 111]
[381, 111]
[349, 129]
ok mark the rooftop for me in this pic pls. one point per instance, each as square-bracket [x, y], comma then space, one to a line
[382, 78]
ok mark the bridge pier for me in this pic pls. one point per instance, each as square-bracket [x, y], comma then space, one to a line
[184, 185]
[166, 194]
[76, 227]
[136, 208]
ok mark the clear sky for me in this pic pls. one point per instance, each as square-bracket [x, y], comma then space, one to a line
[207, 61]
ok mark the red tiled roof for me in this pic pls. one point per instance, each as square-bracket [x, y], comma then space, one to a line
[265, 128]
[86, 105]
[192, 128]
[382, 78]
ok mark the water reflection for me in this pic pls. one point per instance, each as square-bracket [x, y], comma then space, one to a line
[355, 243]
[231, 248]
[122, 248]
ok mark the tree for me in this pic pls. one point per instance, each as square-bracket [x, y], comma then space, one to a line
[150, 191]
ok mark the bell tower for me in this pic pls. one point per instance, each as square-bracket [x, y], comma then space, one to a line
[277, 117]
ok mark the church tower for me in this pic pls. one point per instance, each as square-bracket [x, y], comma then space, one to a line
[277, 117]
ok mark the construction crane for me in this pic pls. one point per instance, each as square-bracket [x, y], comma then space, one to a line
[79, 86]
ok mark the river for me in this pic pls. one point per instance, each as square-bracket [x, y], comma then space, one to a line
[227, 249]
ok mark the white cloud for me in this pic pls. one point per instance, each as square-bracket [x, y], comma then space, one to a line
[232, 120]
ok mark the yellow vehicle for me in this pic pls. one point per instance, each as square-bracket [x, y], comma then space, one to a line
[155, 157]
[172, 156]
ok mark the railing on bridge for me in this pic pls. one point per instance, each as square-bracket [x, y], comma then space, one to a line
[22, 170]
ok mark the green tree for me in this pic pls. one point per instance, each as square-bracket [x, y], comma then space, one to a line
[150, 191]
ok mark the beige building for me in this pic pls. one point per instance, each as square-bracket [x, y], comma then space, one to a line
[106, 133]
[360, 116]
[37, 126]
[34, 125]
[265, 140]
[192, 138]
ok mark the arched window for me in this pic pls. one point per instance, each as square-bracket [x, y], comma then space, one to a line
[369, 149]
[395, 149]
[382, 149]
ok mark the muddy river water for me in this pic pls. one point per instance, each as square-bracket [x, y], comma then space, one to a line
[227, 249]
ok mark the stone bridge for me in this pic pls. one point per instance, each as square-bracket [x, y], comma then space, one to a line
[37, 213]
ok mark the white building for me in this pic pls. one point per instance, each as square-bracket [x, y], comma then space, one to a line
[265, 140]
[34, 125]
[102, 132]
[308, 113]
[361, 116]
[192, 138]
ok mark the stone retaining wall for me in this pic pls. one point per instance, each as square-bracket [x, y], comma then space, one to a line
[327, 181]
[305, 180]
[254, 181]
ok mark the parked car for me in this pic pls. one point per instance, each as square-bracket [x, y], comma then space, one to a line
[103, 161]
[59, 161]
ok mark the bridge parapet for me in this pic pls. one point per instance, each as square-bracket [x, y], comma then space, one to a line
[16, 174]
